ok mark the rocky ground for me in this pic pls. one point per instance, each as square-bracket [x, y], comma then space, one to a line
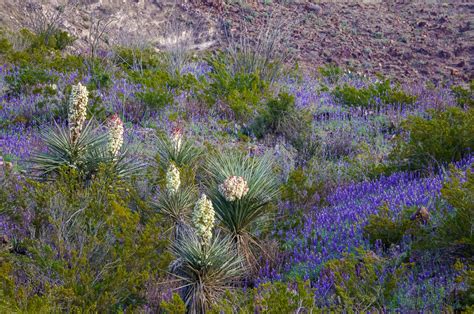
[407, 40]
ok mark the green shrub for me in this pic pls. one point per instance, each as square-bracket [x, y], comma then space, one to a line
[156, 99]
[364, 97]
[270, 298]
[279, 116]
[388, 228]
[136, 59]
[464, 96]
[363, 281]
[465, 293]
[455, 231]
[240, 91]
[174, 306]
[331, 72]
[444, 137]
[87, 251]
[301, 191]
[56, 40]
[26, 78]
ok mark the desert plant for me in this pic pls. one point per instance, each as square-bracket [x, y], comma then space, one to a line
[207, 269]
[241, 187]
[82, 249]
[464, 96]
[264, 55]
[177, 207]
[455, 231]
[279, 116]
[241, 91]
[372, 95]
[46, 23]
[443, 137]
[363, 281]
[83, 147]
[389, 228]
[63, 150]
[176, 149]
[331, 72]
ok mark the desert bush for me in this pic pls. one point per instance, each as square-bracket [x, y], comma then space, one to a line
[57, 40]
[21, 82]
[464, 295]
[269, 297]
[300, 190]
[280, 297]
[173, 306]
[82, 248]
[156, 99]
[136, 59]
[464, 96]
[389, 228]
[373, 95]
[264, 55]
[444, 137]
[279, 116]
[363, 281]
[240, 91]
[331, 72]
[455, 230]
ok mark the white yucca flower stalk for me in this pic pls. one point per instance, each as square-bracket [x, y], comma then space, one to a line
[203, 219]
[173, 180]
[234, 188]
[177, 138]
[115, 126]
[77, 110]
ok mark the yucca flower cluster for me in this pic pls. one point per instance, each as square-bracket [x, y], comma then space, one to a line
[115, 126]
[234, 188]
[177, 138]
[173, 181]
[203, 219]
[77, 110]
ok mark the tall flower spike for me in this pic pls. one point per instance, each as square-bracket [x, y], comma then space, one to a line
[234, 188]
[173, 181]
[177, 138]
[203, 219]
[77, 110]
[115, 126]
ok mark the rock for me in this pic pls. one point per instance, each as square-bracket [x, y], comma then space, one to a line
[461, 63]
[314, 8]
[421, 215]
[444, 54]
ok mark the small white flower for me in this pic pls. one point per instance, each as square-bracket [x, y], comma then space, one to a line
[177, 138]
[203, 219]
[115, 127]
[234, 188]
[77, 110]
[173, 180]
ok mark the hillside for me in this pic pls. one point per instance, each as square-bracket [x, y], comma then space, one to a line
[406, 40]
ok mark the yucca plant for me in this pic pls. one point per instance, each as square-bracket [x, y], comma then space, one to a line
[82, 151]
[241, 188]
[177, 150]
[177, 207]
[207, 269]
